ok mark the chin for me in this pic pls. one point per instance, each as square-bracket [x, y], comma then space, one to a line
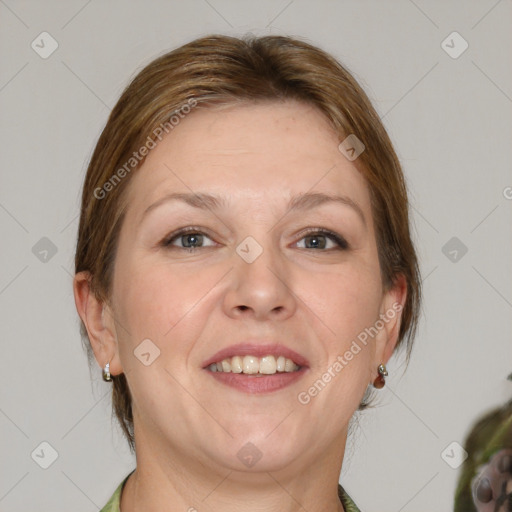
[257, 458]
[262, 449]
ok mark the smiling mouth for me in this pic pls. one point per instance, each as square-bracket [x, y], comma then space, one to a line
[256, 366]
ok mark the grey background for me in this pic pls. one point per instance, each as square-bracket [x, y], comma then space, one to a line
[450, 121]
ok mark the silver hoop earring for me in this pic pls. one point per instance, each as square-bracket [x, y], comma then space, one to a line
[106, 373]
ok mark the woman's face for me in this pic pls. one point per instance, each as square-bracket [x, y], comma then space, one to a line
[254, 276]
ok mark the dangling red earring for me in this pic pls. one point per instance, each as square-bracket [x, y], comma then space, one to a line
[380, 381]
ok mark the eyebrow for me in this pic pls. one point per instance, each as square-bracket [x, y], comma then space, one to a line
[299, 202]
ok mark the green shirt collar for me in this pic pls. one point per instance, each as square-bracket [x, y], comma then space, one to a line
[113, 502]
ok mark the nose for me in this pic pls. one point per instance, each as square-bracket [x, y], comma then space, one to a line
[260, 290]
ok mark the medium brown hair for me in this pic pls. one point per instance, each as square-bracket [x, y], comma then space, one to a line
[221, 69]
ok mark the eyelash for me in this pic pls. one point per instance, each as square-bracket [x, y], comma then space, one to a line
[339, 240]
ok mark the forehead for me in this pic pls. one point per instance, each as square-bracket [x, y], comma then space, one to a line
[265, 150]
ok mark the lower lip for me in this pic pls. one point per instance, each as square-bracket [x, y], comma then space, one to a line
[257, 384]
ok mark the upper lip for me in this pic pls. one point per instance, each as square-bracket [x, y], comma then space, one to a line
[258, 349]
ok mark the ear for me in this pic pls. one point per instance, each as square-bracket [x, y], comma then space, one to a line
[392, 305]
[98, 321]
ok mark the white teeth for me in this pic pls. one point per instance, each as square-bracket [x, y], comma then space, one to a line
[289, 365]
[236, 364]
[251, 365]
[268, 365]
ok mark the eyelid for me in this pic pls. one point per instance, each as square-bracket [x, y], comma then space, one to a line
[166, 241]
[338, 239]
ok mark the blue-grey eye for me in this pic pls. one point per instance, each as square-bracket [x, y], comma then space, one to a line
[323, 240]
[188, 240]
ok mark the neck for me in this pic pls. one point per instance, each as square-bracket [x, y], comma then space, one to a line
[165, 476]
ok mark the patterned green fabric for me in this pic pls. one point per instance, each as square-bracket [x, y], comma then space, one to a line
[492, 433]
[113, 502]
[347, 503]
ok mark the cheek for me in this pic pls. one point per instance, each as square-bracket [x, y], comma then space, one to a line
[153, 297]
[346, 300]
[348, 303]
[155, 302]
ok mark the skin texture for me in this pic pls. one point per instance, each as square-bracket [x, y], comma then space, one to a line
[189, 427]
